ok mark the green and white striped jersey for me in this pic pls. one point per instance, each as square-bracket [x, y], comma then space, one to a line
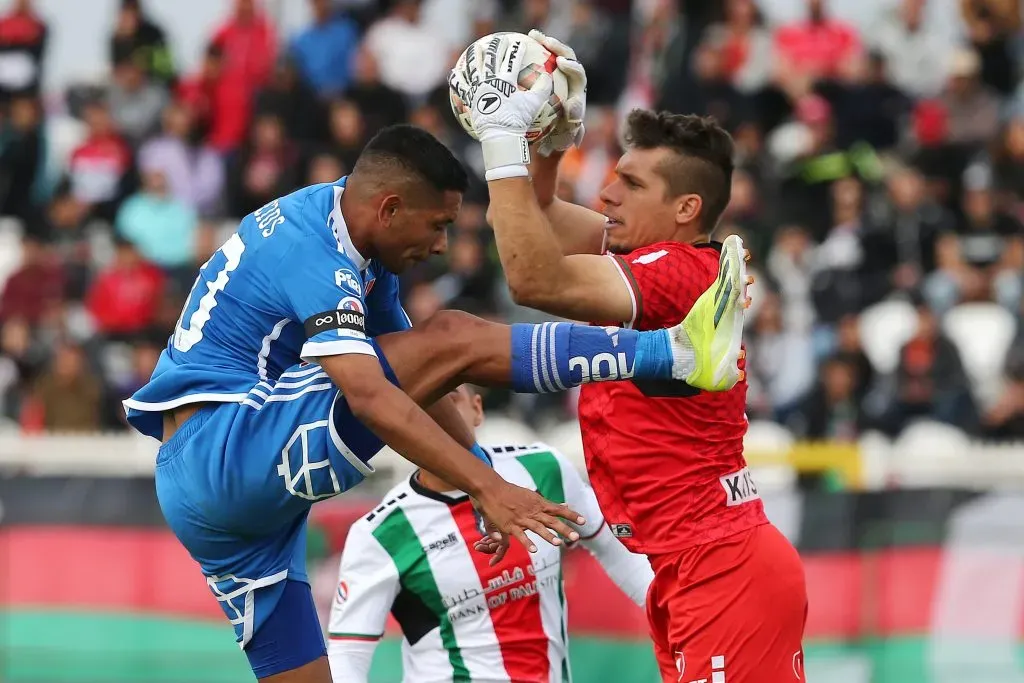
[461, 619]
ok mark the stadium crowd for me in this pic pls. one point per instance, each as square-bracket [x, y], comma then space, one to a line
[876, 163]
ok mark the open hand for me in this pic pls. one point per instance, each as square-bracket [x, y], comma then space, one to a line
[511, 510]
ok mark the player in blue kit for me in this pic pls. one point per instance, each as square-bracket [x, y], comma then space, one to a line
[293, 364]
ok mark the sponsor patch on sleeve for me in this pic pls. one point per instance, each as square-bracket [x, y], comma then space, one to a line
[348, 319]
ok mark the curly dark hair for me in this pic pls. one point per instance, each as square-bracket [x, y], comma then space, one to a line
[701, 162]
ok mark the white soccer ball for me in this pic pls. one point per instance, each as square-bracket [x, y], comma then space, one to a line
[537, 60]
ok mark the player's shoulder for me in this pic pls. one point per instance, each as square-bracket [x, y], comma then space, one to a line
[537, 457]
[305, 215]
[399, 497]
[672, 253]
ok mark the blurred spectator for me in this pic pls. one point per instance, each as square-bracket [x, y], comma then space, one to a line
[100, 167]
[1007, 160]
[193, 169]
[61, 224]
[911, 49]
[602, 30]
[411, 58]
[67, 397]
[832, 410]
[347, 132]
[162, 228]
[220, 109]
[264, 169]
[743, 44]
[289, 98]
[983, 258]
[972, 107]
[591, 166]
[145, 352]
[991, 27]
[848, 348]
[422, 301]
[816, 47]
[249, 45]
[780, 363]
[868, 108]
[789, 266]
[930, 380]
[323, 52]
[381, 105]
[715, 94]
[35, 288]
[324, 168]
[20, 362]
[137, 37]
[134, 100]
[23, 37]
[124, 296]
[22, 147]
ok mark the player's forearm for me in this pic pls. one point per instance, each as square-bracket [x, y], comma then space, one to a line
[631, 572]
[544, 173]
[447, 416]
[407, 429]
[530, 254]
[577, 229]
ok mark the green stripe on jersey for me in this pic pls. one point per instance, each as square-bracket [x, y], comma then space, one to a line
[399, 539]
[546, 473]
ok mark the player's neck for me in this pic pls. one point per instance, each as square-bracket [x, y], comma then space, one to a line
[358, 220]
[434, 483]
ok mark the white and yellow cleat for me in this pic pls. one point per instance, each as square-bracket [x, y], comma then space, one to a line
[711, 335]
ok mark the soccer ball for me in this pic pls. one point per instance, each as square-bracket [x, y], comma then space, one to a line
[536, 61]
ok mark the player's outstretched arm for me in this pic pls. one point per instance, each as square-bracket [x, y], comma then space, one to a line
[540, 275]
[404, 426]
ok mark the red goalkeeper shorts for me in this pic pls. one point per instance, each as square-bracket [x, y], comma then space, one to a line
[732, 611]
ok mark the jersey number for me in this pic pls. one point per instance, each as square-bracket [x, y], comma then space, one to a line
[187, 336]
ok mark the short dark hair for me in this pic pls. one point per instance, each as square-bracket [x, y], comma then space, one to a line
[413, 150]
[703, 156]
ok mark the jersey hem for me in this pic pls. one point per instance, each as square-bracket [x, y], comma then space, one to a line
[145, 407]
[363, 468]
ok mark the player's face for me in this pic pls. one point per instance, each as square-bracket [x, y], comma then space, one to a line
[415, 231]
[469, 405]
[638, 206]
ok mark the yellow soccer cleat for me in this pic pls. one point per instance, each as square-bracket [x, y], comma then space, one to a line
[713, 329]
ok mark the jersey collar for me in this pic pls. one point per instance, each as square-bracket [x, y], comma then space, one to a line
[446, 497]
[336, 222]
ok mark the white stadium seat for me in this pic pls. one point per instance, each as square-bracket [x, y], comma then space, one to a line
[982, 332]
[884, 328]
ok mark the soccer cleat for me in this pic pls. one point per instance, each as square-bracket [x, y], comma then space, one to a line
[713, 329]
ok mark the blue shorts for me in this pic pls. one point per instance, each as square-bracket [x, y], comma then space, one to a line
[235, 484]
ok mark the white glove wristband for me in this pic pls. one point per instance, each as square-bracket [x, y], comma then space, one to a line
[505, 156]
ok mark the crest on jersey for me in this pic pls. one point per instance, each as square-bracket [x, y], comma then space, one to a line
[351, 303]
[342, 595]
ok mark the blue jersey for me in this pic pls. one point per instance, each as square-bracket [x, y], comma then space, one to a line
[287, 286]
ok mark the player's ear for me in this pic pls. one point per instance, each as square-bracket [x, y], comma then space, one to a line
[388, 208]
[688, 208]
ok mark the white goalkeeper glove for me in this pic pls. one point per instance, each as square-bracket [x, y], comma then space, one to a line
[569, 130]
[502, 112]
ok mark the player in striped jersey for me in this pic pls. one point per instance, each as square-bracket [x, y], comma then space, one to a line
[461, 618]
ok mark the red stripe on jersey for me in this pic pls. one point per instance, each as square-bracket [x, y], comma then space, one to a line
[517, 620]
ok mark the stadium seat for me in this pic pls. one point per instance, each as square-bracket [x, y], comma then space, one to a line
[982, 332]
[767, 436]
[769, 440]
[930, 440]
[884, 328]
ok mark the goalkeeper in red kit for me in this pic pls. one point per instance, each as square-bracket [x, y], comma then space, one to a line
[728, 602]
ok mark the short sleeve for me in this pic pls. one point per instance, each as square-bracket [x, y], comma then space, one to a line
[384, 307]
[324, 292]
[665, 280]
[367, 585]
[580, 497]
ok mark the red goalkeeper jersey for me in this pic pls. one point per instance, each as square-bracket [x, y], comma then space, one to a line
[665, 459]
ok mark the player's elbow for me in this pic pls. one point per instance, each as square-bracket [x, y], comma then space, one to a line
[529, 291]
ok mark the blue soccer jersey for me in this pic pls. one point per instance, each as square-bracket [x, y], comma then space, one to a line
[288, 285]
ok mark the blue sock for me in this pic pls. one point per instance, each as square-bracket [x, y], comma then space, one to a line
[552, 357]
